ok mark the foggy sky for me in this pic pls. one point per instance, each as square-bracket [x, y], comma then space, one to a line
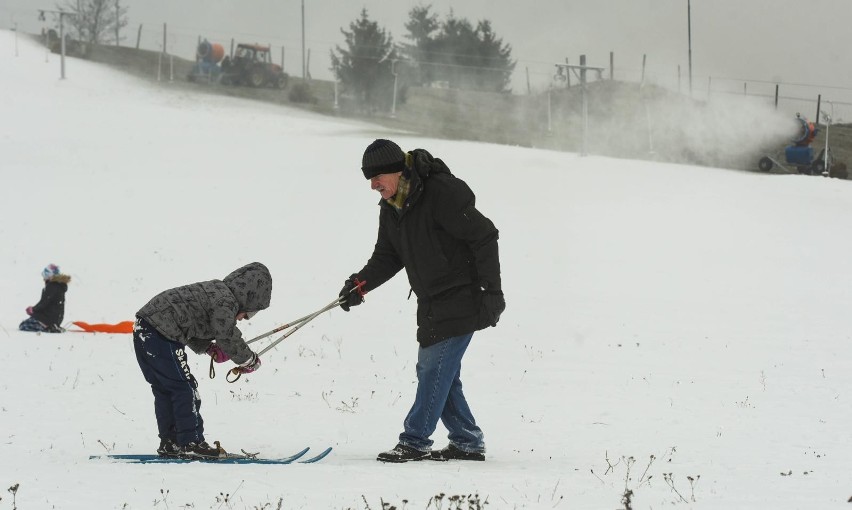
[804, 42]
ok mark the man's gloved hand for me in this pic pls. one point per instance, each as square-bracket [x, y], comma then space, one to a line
[29, 310]
[218, 355]
[351, 297]
[493, 304]
[251, 365]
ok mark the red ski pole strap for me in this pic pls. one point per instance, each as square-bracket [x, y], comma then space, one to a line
[359, 287]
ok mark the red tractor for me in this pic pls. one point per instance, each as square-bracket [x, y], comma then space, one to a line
[252, 65]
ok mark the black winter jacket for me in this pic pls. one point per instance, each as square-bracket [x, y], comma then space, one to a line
[50, 310]
[447, 247]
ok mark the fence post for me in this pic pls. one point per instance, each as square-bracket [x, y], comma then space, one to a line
[819, 100]
[567, 75]
[611, 65]
[584, 151]
[138, 36]
[678, 80]
[776, 96]
[550, 106]
[308, 66]
[117, 23]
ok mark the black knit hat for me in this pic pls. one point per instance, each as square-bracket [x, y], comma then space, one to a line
[382, 157]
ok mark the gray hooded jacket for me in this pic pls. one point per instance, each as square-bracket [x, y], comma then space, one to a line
[199, 313]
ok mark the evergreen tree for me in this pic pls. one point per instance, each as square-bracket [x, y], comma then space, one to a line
[456, 52]
[495, 59]
[364, 66]
[421, 26]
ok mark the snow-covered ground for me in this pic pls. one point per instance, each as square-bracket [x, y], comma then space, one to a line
[683, 333]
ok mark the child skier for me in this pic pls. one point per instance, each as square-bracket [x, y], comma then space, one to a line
[46, 315]
[202, 316]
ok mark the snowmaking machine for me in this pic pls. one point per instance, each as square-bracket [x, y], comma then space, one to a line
[800, 154]
[207, 58]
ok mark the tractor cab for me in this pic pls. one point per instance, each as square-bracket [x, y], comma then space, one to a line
[252, 53]
[252, 65]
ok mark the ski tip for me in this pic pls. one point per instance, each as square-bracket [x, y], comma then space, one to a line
[316, 458]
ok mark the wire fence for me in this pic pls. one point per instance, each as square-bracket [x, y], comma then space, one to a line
[530, 76]
[787, 97]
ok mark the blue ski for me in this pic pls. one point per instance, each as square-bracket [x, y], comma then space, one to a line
[232, 458]
[316, 457]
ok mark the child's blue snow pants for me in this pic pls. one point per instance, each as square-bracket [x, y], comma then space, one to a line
[176, 401]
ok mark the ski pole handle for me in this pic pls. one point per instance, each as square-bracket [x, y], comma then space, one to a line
[306, 317]
[309, 318]
[279, 328]
[234, 374]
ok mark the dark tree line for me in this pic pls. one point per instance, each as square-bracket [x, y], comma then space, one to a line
[456, 52]
[450, 52]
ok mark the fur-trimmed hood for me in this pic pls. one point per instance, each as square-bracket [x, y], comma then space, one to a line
[60, 278]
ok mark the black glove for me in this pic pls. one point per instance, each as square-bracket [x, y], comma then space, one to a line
[493, 305]
[351, 297]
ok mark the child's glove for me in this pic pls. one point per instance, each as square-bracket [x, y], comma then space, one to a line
[251, 365]
[218, 355]
[29, 310]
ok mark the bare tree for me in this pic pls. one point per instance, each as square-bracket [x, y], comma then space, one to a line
[95, 21]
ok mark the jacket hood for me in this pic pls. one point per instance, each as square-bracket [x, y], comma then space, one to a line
[252, 286]
[425, 165]
[59, 278]
[420, 166]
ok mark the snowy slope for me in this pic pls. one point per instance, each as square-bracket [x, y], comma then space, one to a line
[694, 320]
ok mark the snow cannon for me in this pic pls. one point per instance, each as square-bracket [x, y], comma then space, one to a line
[210, 53]
[801, 153]
[207, 58]
[807, 132]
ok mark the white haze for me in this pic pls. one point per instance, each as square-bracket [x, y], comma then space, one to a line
[786, 41]
[679, 332]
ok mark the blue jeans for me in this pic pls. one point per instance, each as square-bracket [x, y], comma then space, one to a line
[439, 395]
[176, 402]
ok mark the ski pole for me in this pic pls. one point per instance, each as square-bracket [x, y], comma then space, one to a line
[309, 318]
[279, 328]
[234, 374]
[296, 326]
[302, 319]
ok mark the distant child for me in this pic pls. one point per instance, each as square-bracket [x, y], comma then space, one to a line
[46, 315]
[202, 316]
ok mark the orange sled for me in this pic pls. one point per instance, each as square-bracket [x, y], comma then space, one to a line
[121, 327]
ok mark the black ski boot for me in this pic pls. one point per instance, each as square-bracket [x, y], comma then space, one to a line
[168, 448]
[402, 453]
[201, 450]
[451, 452]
